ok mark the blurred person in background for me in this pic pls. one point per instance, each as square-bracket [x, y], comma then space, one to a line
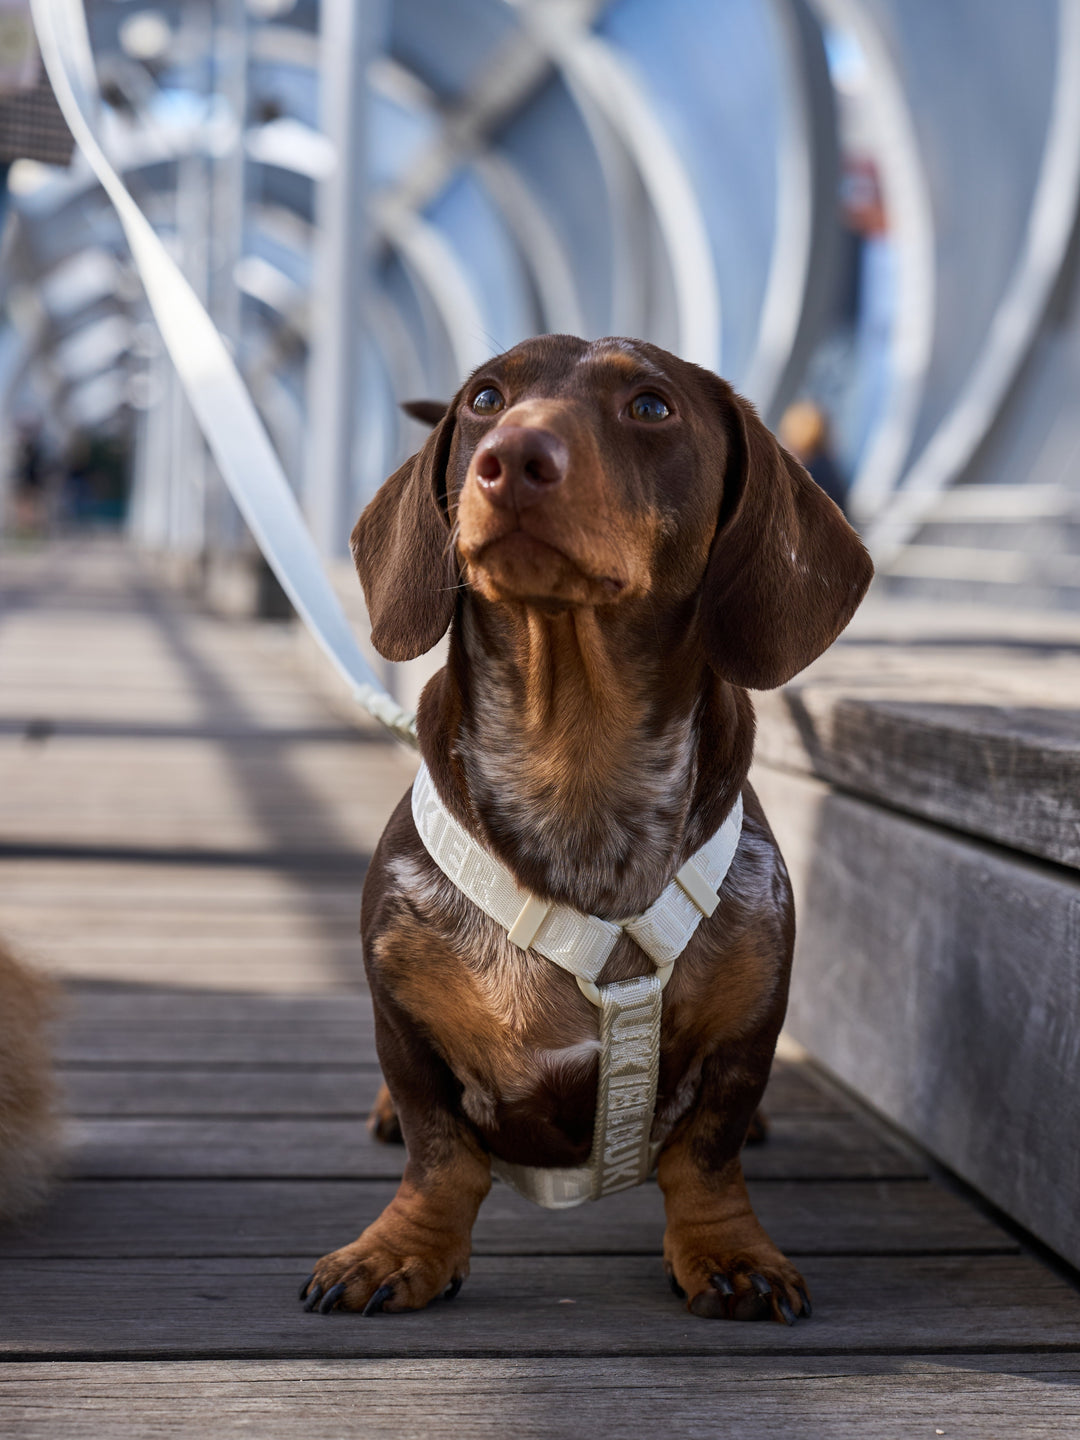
[804, 430]
[94, 486]
[29, 474]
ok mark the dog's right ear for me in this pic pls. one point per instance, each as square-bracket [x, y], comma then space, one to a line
[403, 552]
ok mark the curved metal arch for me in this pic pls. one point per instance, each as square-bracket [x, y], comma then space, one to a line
[588, 62]
[463, 140]
[433, 265]
[129, 151]
[625, 203]
[1019, 314]
[431, 260]
[536, 238]
[537, 241]
[907, 198]
[403, 362]
[399, 357]
[803, 245]
[390, 335]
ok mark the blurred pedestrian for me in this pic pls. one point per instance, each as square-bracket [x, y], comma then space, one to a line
[29, 482]
[804, 430]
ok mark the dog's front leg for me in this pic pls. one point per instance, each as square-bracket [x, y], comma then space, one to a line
[419, 1246]
[716, 1252]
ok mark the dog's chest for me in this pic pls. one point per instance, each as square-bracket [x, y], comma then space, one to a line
[481, 995]
[604, 842]
[519, 1037]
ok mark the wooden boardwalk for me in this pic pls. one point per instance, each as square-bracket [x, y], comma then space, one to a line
[183, 832]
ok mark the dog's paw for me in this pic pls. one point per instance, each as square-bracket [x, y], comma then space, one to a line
[383, 1121]
[372, 1274]
[758, 1284]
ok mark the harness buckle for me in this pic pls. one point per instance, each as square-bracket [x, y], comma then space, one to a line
[527, 925]
[693, 883]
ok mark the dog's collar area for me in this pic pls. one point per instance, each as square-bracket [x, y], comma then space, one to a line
[630, 1010]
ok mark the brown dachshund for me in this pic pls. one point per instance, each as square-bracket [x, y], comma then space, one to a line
[619, 549]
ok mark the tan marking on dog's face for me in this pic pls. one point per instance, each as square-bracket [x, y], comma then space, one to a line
[574, 547]
[595, 538]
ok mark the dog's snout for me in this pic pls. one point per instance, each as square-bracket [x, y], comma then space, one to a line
[517, 465]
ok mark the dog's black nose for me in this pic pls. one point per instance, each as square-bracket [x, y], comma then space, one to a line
[517, 465]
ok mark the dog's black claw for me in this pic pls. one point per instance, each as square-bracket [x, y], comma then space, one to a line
[378, 1300]
[676, 1287]
[306, 1285]
[786, 1312]
[314, 1298]
[331, 1298]
[760, 1284]
[722, 1283]
[807, 1308]
[451, 1291]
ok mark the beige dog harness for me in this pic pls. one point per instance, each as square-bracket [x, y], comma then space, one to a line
[623, 1153]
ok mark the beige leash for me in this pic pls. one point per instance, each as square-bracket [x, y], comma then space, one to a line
[630, 1010]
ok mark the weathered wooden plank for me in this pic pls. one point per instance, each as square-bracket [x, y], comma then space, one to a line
[854, 1397]
[43, 890]
[805, 1147]
[318, 966]
[329, 1090]
[939, 978]
[126, 1220]
[1008, 773]
[187, 926]
[170, 794]
[302, 922]
[127, 1026]
[168, 1030]
[577, 1306]
[239, 733]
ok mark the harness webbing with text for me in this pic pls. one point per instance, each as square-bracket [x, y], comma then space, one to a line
[630, 1010]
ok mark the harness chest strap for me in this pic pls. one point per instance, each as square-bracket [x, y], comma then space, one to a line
[630, 1010]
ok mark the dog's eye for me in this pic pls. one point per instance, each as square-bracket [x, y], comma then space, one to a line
[648, 407]
[488, 401]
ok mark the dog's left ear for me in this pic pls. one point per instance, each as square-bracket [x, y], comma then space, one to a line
[786, 571]
[428, 412]
[403, 553]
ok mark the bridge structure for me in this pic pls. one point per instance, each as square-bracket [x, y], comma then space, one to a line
[869, 203]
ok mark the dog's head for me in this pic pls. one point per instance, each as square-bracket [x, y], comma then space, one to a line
[573, 473]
